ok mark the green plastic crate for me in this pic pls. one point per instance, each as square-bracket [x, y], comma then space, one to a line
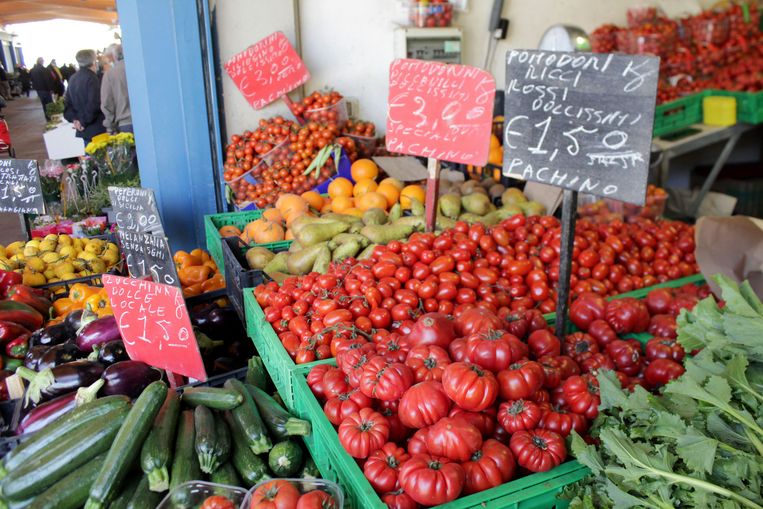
[534, 491]
[675, 116]
[213, 223]
[277, 361]
[749, 104]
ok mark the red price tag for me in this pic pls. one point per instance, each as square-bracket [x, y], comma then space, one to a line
[440, 111]
[154, 324]
[267, 70]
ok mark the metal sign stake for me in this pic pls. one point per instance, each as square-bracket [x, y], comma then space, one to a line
[569, 211]
[433, 189]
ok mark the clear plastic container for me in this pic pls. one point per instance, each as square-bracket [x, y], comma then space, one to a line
[336, 113]
[303, 486]
[430, 15]
[709, 29]
[192, 494]
[365, 145]
[642, 14]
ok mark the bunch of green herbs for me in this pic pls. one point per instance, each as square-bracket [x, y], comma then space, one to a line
[698, 444]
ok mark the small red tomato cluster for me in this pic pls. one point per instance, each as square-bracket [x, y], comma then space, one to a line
[447, 408]
[284, 494]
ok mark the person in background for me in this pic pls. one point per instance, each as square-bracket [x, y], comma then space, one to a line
[57, 79]
[115, 102]
[24, 78]
[82, 102]
[67, 71]
[42, 84]
[5, 86]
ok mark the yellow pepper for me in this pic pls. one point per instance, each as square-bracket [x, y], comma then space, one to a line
[200, 254]
[97, 302]
[193, 275]
[192, 290]
[80, 292]
[64, 305]
[216, 282]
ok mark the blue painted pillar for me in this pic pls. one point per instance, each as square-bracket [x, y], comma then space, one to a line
[163, 58]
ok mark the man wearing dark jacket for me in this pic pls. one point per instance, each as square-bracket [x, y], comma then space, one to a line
[82, 102]
[42, 84]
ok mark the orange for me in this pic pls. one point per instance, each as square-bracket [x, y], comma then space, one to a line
[364, 169]
[229, 231]
[372, 200]
[326, 207]
[413, 191]
[313, 199]
[273, 215]
[342, 203]
[353, 212]
[289, 235]
[494, 141]
[495, 156]
[389, 180]
[291, 204]
[390, 192]
[363, 186]
[340, 187]
[261, 231]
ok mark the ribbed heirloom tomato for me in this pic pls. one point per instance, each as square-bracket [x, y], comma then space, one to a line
[385, 380]
[363, 432]
[539, 450]
[664, 348]
[423, 405]
[519, 415]
[469, 386]
[453, 438]
[431, 481]
[492, 465]
[276, 494]
[582, 395]
[337, 409]
[382, 466]
[494, 350]
[521, 380]
[317, 499]
[427, 362]
[399, 499]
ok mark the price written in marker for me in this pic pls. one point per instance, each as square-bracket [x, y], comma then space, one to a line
[135, 210]
[149, 255]
[20, 188]
[440, 111]
[267, 70]
[154, 323]
[580, 121]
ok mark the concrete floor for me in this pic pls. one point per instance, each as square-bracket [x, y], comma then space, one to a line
[26, 122]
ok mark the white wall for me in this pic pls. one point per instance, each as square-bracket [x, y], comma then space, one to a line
[348, 44]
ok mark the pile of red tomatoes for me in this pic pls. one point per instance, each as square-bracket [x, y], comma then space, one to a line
[441, 408]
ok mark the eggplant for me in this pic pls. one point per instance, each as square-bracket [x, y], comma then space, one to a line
[77, 319]
[52, 382]
[58, 355]
[34, 356]
[98, 332]
[200, 317]
[42, 415]
[128, 378]
[53, 335]
[111, 352]
[225, 322]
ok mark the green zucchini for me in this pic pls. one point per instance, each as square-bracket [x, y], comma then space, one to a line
[285, 458]
[280, 423]
[62, 427]
[251, 467]
[156, 454]
[128, 490]
[309, 470]
[185, 463]
[256, 374]
[212, 441]
[71, 491]
[212, 397]
[144, 498]
[126, 447]
[226, 474]
[248, 419]
[12, 504]
[60, 459]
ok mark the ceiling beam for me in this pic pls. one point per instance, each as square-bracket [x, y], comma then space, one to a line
[105, 18]
[102, 5]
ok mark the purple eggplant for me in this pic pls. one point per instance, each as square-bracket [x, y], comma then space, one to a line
[98, 332]
[54, 382]
[53, 335]
[58, 355]
[128, 378]
[34, 356]
[111, 352]
[42, 415]
[77, 319]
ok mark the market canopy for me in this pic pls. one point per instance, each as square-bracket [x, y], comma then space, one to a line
[23, 11]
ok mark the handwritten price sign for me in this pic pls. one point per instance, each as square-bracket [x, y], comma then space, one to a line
[580, 121]
[267, 70]
[135, 210]
[20, 188]
[440, 111]
[154, 325]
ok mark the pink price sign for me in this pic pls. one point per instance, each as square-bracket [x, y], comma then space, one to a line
[155, 325]
[440, 111]
[267, 70]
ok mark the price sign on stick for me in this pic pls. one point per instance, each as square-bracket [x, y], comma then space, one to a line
[440, 111]
[149, 255]
[582, 122]
[267, 70]
[20, 188]
[135, 210]
[154, 324]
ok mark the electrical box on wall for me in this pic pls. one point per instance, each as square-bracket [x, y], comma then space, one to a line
[437, 44]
